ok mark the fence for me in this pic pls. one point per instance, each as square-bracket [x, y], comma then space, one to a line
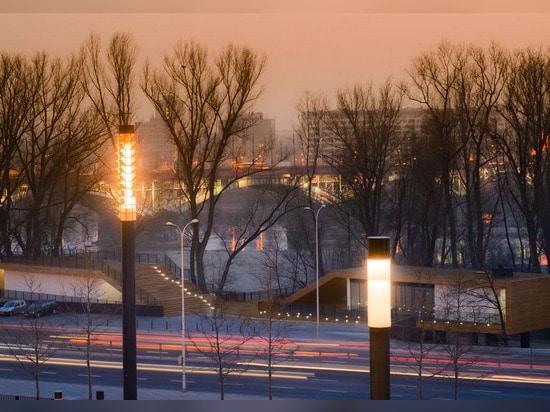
[23, 398]
[257, 295]
[32, 296]
[83, 260]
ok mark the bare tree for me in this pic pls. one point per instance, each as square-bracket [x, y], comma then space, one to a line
[434, 76]
[417, 202]
[265, 206]
[51, 166]
[487, 292]
[222, 334]
[312, 135]
[17, 97]
[314, 138]
[364, 135]
[207, 107]
[457, 309]
[34, 344]
[526, 110]
[479, 87]
[272, 331]
[414, 328]
[109, 79]
[87, 289]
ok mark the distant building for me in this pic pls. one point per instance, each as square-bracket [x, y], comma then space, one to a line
[157, 152]
[445, 300]
[155, 147]
[255, 144]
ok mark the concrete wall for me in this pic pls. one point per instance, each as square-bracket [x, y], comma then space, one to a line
[59, 284]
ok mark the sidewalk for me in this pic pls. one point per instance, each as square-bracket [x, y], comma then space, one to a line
[80, 392]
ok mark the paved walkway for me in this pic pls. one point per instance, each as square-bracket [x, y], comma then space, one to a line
[80, 392]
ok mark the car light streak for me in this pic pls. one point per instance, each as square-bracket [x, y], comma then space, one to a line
[229, 345]
[166, 368]
[520, 379]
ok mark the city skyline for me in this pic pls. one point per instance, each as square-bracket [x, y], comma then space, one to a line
[306, 51]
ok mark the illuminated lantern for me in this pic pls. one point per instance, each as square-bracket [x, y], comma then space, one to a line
[379, 315]
[379, 282]
[126, 159]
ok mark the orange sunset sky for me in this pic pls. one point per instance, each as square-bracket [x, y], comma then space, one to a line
[310, 45]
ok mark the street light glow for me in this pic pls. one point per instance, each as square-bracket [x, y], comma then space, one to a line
[378, 292]
[379, 315]
[126, 157]
[126, 164]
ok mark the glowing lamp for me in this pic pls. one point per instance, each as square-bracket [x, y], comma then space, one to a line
[126, 159]
[379, 282]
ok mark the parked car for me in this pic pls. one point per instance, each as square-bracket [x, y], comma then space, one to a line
[40, 308]
[13, 307]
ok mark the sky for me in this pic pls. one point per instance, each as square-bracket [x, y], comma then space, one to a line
[317, 46]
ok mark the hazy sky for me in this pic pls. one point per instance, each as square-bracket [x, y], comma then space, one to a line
[317, 49]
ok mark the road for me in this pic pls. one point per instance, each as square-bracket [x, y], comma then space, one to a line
[335, 368]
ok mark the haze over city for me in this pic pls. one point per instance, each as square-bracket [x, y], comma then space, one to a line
[318, 49]
[193, 241]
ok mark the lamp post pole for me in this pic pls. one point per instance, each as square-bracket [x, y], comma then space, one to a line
[126, 152]
[182, 236]
[316, 217]
[379, 315]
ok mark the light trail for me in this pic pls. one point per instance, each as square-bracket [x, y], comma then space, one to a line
[167, 368]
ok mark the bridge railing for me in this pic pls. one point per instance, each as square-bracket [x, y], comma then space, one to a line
[256, 295]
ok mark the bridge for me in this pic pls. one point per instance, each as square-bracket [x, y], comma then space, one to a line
[160, 190]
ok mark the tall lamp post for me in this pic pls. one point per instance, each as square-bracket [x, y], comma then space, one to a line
[126, 162]
[379, 315]
[182, 236]
[316, 217]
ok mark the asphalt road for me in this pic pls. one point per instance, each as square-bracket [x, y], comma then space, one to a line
[335, 367]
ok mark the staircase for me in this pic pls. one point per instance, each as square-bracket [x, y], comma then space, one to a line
[161, 284]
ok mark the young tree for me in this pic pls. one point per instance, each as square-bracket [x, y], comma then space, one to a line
[414, 328]
[220, 338]
[87, 289]
[487, 293]
[33, 344]
[455, 306]
[271, 331]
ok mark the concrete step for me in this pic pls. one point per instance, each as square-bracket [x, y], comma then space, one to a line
[159, 282]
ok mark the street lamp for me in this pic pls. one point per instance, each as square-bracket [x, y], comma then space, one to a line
[316, 217]
[126, 162]
[182, 236]
[379, 315]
